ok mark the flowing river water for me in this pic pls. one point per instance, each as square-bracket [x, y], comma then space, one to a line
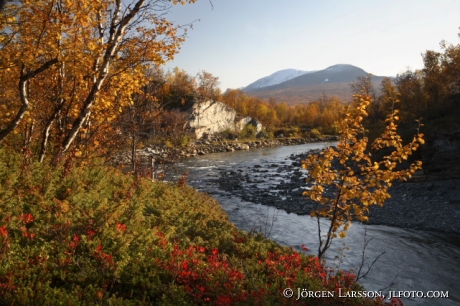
[413, 260]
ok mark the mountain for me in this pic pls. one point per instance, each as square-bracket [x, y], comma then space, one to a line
[334, 80]
[275, 78]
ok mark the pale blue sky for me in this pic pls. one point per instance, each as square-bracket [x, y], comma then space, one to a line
[240, 41]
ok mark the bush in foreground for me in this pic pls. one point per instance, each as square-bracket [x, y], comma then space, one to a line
[92, 235]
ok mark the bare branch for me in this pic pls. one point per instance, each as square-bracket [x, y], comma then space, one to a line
[369, 267]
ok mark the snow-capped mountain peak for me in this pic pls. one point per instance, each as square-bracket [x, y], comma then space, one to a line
[276, 78]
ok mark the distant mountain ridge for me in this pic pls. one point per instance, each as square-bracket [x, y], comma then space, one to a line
[307, 87]
[276, 78]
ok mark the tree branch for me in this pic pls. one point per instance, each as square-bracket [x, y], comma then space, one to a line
[22, 87]
[34, 73]
[117, 30]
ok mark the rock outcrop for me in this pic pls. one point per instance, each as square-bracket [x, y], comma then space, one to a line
[210, 117]
[240, 124]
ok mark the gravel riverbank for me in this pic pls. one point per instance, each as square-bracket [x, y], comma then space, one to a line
[432, 205]
[429, 205]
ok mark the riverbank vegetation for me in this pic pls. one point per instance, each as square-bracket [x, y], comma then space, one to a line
[90, 235]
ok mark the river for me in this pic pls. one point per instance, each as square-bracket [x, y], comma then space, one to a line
[412, 260]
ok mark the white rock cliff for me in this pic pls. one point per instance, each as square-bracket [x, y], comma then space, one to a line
[210, 117]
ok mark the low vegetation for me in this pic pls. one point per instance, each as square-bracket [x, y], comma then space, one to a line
[91, 235]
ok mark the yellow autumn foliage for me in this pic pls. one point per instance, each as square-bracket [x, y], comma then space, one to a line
[76, 63]
[345, 181]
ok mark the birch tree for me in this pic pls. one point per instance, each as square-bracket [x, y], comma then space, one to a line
[90, 56]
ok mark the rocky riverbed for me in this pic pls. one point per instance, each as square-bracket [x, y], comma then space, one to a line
[428, 203]
[432, 205]
[203, 147]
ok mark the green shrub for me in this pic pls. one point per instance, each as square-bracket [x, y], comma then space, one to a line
[94, 236]
[229, 134]
[315, 133]
[292, 131]
[248, 132]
